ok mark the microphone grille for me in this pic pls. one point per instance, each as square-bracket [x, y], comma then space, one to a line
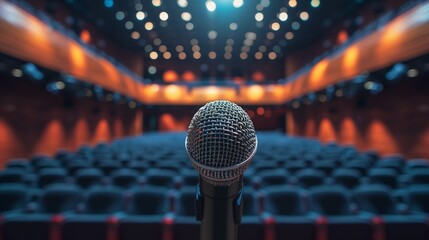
[221, 141]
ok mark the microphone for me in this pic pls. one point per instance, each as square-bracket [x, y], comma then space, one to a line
[221, 143]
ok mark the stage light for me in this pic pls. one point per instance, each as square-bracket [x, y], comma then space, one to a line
[296, 25]
[196, 48]
[197, 55]
[129, 25]
[412, 73]
[135, 35]
[243, 55]
[163, 16]
[233, 26]
[210, 5]
[186, 16]
[148, 26]
[369, 85]
[212, 55]
[259, 16]
[237, 3]
[182, 56]
[283, 16]
[304, 16]
[108, 3]
[275, 26]
[212, 35]
[182, 3]
[292, 3]
[17, 72]
[120, 15]
[272, 55]
[259, 55]
[156, 3]
[153, 55]
[315, 3]
[140, 15]
[167, 55]
[189, 26]
[289, 35]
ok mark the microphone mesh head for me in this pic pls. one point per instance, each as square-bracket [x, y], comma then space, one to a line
[221, 142]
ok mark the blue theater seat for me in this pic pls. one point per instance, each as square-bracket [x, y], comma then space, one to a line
[22, 164]
[13, 197]
[125, 178]
[185, 226]
[251, 227]
[419, 176]
[386, 176]
[308, 178]
[88, 177]
[333, 205]
[285, 206]
[101, 211]
[12, 176]
[349, 178]
[160, 177]
[376, 200]
[273, 177]
[56, 199]
[49, 176]
[145, 215]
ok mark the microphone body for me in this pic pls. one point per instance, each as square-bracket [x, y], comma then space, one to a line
[219, 208]
[221, 143]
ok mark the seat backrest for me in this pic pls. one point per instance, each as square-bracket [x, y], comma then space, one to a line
[419, 176]
[274, 177]
[88, 177]
[375, 198]
[185, 202]
[124, 177]
[58, 198]
[103, 200]
[12, 176]
[52, 175]
[384, 176]
[310, 177]
[418, 198]
[348, 178]
[250, 202]
[160, 177]
[330, 200]
[12, 197]
[284, 200]
[148, 201]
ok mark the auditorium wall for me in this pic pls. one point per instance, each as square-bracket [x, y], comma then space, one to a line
[34, 121]
[393, 121]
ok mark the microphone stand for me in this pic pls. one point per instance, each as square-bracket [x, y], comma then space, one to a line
[219, 208]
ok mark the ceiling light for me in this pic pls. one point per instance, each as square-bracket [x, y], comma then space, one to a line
[304, 16]
[227, 55]
[248, 42]
[138, 6]
[194, 41]
[228, 48]
[189, 26]
[210, 5]
[270, 35]
[135, 35]
[162, 48]
[315, 3]
[17, 72]
[163, 16]
[196, 48]
[250, 35]
[186, 16]
[243, 55]
[153, 55]
[167, 55]
[120, 15]
[258, 55]
[262, 48]
[292, 3]
[212, 55]
[129, 25]
[140, 15]
[182, 56]
[230, 41]
[212, 35]
[283, 16]
[108, 3]
[233, 26]
[182, 3]
[296, 25]
[265, 3]
[156, 3]
[259, 16]
[179, 48]
[412, 73]
[237, 3]
[245, 48]
[151, 69]
[272, 55]
[148, 26]
[148, 48]
[289, 35]
[197, 55]
[157, 41]
[275, 26]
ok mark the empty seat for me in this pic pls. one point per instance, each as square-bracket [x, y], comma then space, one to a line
[160, 177]
[22, 164]
[108, 166]
[419, 176]
[51, 175]
[12, 176]
[361, 165]
[348, 178]
[286, 205]
[100, 205]
[377, 200]
[88, 177]
[273, 177]
[13, 197]
[326, 166]
[418, 199]
[295, 166]
[185, 226]
[139, 166]
[251, 226]
[310, 177]
[384, 176]
[75, 166]
[125, 178]
[416, 164]
[190, 178]
[55, 199]
[145, 215]
[334, 205]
